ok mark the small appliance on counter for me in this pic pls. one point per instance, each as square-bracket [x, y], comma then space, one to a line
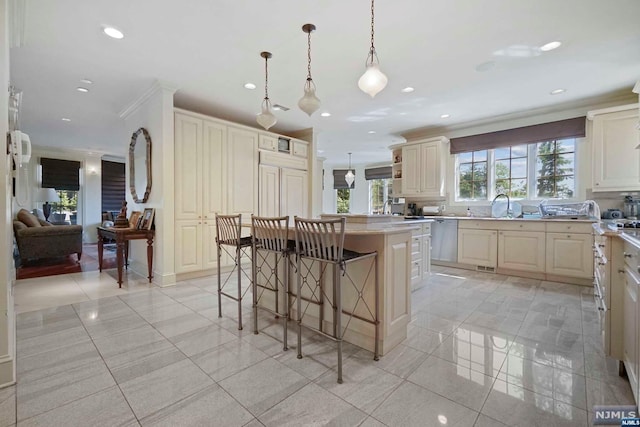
[630, 208]
[411, 209]
[612, 214]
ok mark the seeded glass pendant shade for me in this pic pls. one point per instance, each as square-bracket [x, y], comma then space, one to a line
[349, 176]
[266, 118]
[373, 80]
[309, 103]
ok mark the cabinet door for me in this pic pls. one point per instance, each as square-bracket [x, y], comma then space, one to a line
[569, 255]
[300, 149]
[630, 343]
[188, 167]
[294, 195]
[188, 245]
[269, 191]
[242, 171]
[268, 142]
[213, 182]
[616, 162]
[478, 247]
[519, 250]
[411, 170]
[431, 170]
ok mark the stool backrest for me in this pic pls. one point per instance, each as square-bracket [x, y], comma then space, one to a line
[322, 239]
[228, 229]
[271, 233]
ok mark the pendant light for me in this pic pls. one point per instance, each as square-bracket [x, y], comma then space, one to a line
[373, 80]
[266, 118]
[309, 103]
[349, 176]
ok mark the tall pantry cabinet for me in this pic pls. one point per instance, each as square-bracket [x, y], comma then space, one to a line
[216, 172]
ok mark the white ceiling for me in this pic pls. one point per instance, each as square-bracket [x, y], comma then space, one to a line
[209, 49]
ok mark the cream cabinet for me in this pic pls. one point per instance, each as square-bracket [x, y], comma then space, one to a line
[423, 167]
[630, 327]
[616, 161]
[283, 192]
[268, 142]
[242, 171]
[569, 254]
[200, 179]
[216, 171]
[478, 247]
[521, 250]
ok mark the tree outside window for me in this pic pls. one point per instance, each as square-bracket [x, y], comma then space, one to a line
[472, 175]
[511, 171]
[344, 195]
[555, 169]
[67, 207]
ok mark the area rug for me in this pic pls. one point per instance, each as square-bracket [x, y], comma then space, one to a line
[69, 264]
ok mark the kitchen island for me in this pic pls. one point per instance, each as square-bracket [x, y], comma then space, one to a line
[392, 242]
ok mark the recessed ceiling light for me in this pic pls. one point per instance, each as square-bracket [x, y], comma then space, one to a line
[326, 114]
[550, 46]
[64, 119]
[87, 81]
[557, 91]
[407, 89]
[445, 116]
[82, 89]
[372, 131]
[250, 86]
[113, 32]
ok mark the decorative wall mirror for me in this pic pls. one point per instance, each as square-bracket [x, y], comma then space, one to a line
[140, 165]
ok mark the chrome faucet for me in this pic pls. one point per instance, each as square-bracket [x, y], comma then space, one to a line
[386, 205]
[509, 213]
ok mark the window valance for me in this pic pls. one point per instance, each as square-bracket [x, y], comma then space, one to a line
[562, 129]
[377, 173]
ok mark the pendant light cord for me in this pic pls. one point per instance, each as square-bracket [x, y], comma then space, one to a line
[372, 31]
[266, 79]
[372, 51]
[309, 55]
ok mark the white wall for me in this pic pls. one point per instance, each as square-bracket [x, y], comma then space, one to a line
[154, 111]
[7, 272]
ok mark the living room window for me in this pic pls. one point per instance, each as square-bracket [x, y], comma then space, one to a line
[64, 177]
[343, 200]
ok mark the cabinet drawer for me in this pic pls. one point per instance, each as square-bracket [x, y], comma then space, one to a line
[478, 224]
[569, 227]
[631, 257]
[521, 226]
[426, 229]
[416, 270]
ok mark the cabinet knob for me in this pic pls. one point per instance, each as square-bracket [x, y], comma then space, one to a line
[626, 255]
[568, 236]
[601, 245]
[600, 263]
[597, 183]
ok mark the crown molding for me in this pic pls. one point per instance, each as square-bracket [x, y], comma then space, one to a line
[157, 87]
[529, 117]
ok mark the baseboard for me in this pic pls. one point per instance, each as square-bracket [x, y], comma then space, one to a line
[7, 371]
[159, 279]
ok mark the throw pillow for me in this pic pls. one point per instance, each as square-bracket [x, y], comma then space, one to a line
[29, 219]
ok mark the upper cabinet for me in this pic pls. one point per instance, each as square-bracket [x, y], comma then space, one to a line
[420, 167]
[242, 174]
[616, 161]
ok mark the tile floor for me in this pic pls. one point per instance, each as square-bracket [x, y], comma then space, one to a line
[482, 349]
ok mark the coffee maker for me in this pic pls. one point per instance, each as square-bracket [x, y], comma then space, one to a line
[411, 209]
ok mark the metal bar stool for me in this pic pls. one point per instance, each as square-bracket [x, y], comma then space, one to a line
[322, 241]
[270, 267]
[229, 240]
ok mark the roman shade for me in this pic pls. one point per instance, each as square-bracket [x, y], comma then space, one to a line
[60, 174]
[570, 128]
[377, 173]
[339, 182]
[113, 185]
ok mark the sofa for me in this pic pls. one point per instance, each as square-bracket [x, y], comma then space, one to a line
[37, 238]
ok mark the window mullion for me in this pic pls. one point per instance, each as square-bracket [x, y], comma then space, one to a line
[491, 181]
[531, 171]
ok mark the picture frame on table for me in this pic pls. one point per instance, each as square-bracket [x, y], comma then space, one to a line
[147, 219]
[134, 219]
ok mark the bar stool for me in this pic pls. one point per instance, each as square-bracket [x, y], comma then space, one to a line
[270, 267]
[229, 240]
[322, 241]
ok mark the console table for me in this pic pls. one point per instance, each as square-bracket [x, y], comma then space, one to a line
[122, 236]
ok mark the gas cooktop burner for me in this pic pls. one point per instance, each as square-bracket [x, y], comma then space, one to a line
[627, 223]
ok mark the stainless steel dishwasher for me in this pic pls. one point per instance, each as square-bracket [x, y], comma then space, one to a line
[444, 240]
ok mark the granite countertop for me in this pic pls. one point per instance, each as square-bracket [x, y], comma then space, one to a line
[631, 235]
[484, 218]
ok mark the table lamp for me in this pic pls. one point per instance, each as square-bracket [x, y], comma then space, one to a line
[48, 195]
